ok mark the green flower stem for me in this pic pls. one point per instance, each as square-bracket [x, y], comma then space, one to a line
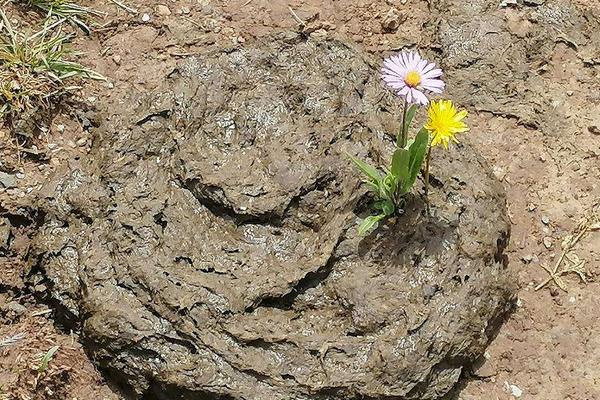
[402, 139]
[427, 163]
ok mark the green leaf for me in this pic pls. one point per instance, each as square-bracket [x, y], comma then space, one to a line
[389, 185]
[374, 186]
[46, 359]
[417, 150]
[400, 163]
[369, 224]
[410, 115]
[368, 170]
[387, 206]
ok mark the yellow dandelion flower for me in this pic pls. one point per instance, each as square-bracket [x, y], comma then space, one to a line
[445, 122]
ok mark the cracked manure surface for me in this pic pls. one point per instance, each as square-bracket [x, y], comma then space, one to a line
[208, 248]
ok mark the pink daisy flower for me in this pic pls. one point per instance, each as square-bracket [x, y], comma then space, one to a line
[411, 76]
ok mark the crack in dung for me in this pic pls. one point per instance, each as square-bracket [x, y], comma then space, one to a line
[311, 280]
[207, 195]
[202, 193]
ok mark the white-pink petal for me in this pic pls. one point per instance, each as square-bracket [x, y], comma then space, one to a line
[434, 73]
[416, 60]
[404, 91]
[421, 65]
[404, 57]
[428, 68]
[391, 64]
[420, 97]
[433, 83]
[434, 90]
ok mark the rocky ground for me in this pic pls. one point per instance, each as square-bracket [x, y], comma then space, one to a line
[528, 72]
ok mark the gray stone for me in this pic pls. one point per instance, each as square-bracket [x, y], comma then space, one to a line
[7, 180]
[4, 233]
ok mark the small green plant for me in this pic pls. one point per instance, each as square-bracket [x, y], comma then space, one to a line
[410, 76]
[34, 69]
[45, 361]
[65, 10]
[391, 186]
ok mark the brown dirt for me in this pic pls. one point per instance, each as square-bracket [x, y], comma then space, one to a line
[27, 332]
[548, 347]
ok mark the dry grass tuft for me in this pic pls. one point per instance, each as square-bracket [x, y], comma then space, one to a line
[34, 69]
[65, 10]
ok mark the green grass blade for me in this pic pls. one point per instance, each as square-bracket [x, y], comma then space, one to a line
[44, 363]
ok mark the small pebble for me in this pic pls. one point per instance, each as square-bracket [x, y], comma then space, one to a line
[572, 299]
[499, 173]
[145, 18]
[429, 291]
[7, 181]
[163, 10]
[392, 20]
[545, 220]
[516, 391]
[319, 34]
[60, 128]
[548, 242]
[185, 10]
[16, 308]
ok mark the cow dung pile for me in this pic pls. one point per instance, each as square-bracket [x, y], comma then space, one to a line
[208, 245]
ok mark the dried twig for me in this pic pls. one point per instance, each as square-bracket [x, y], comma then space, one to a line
[124, 7]
[10, 340]
[42, 312]
[572, 263]
[296, 17]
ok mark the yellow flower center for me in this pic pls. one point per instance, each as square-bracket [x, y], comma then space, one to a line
[412, 79]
